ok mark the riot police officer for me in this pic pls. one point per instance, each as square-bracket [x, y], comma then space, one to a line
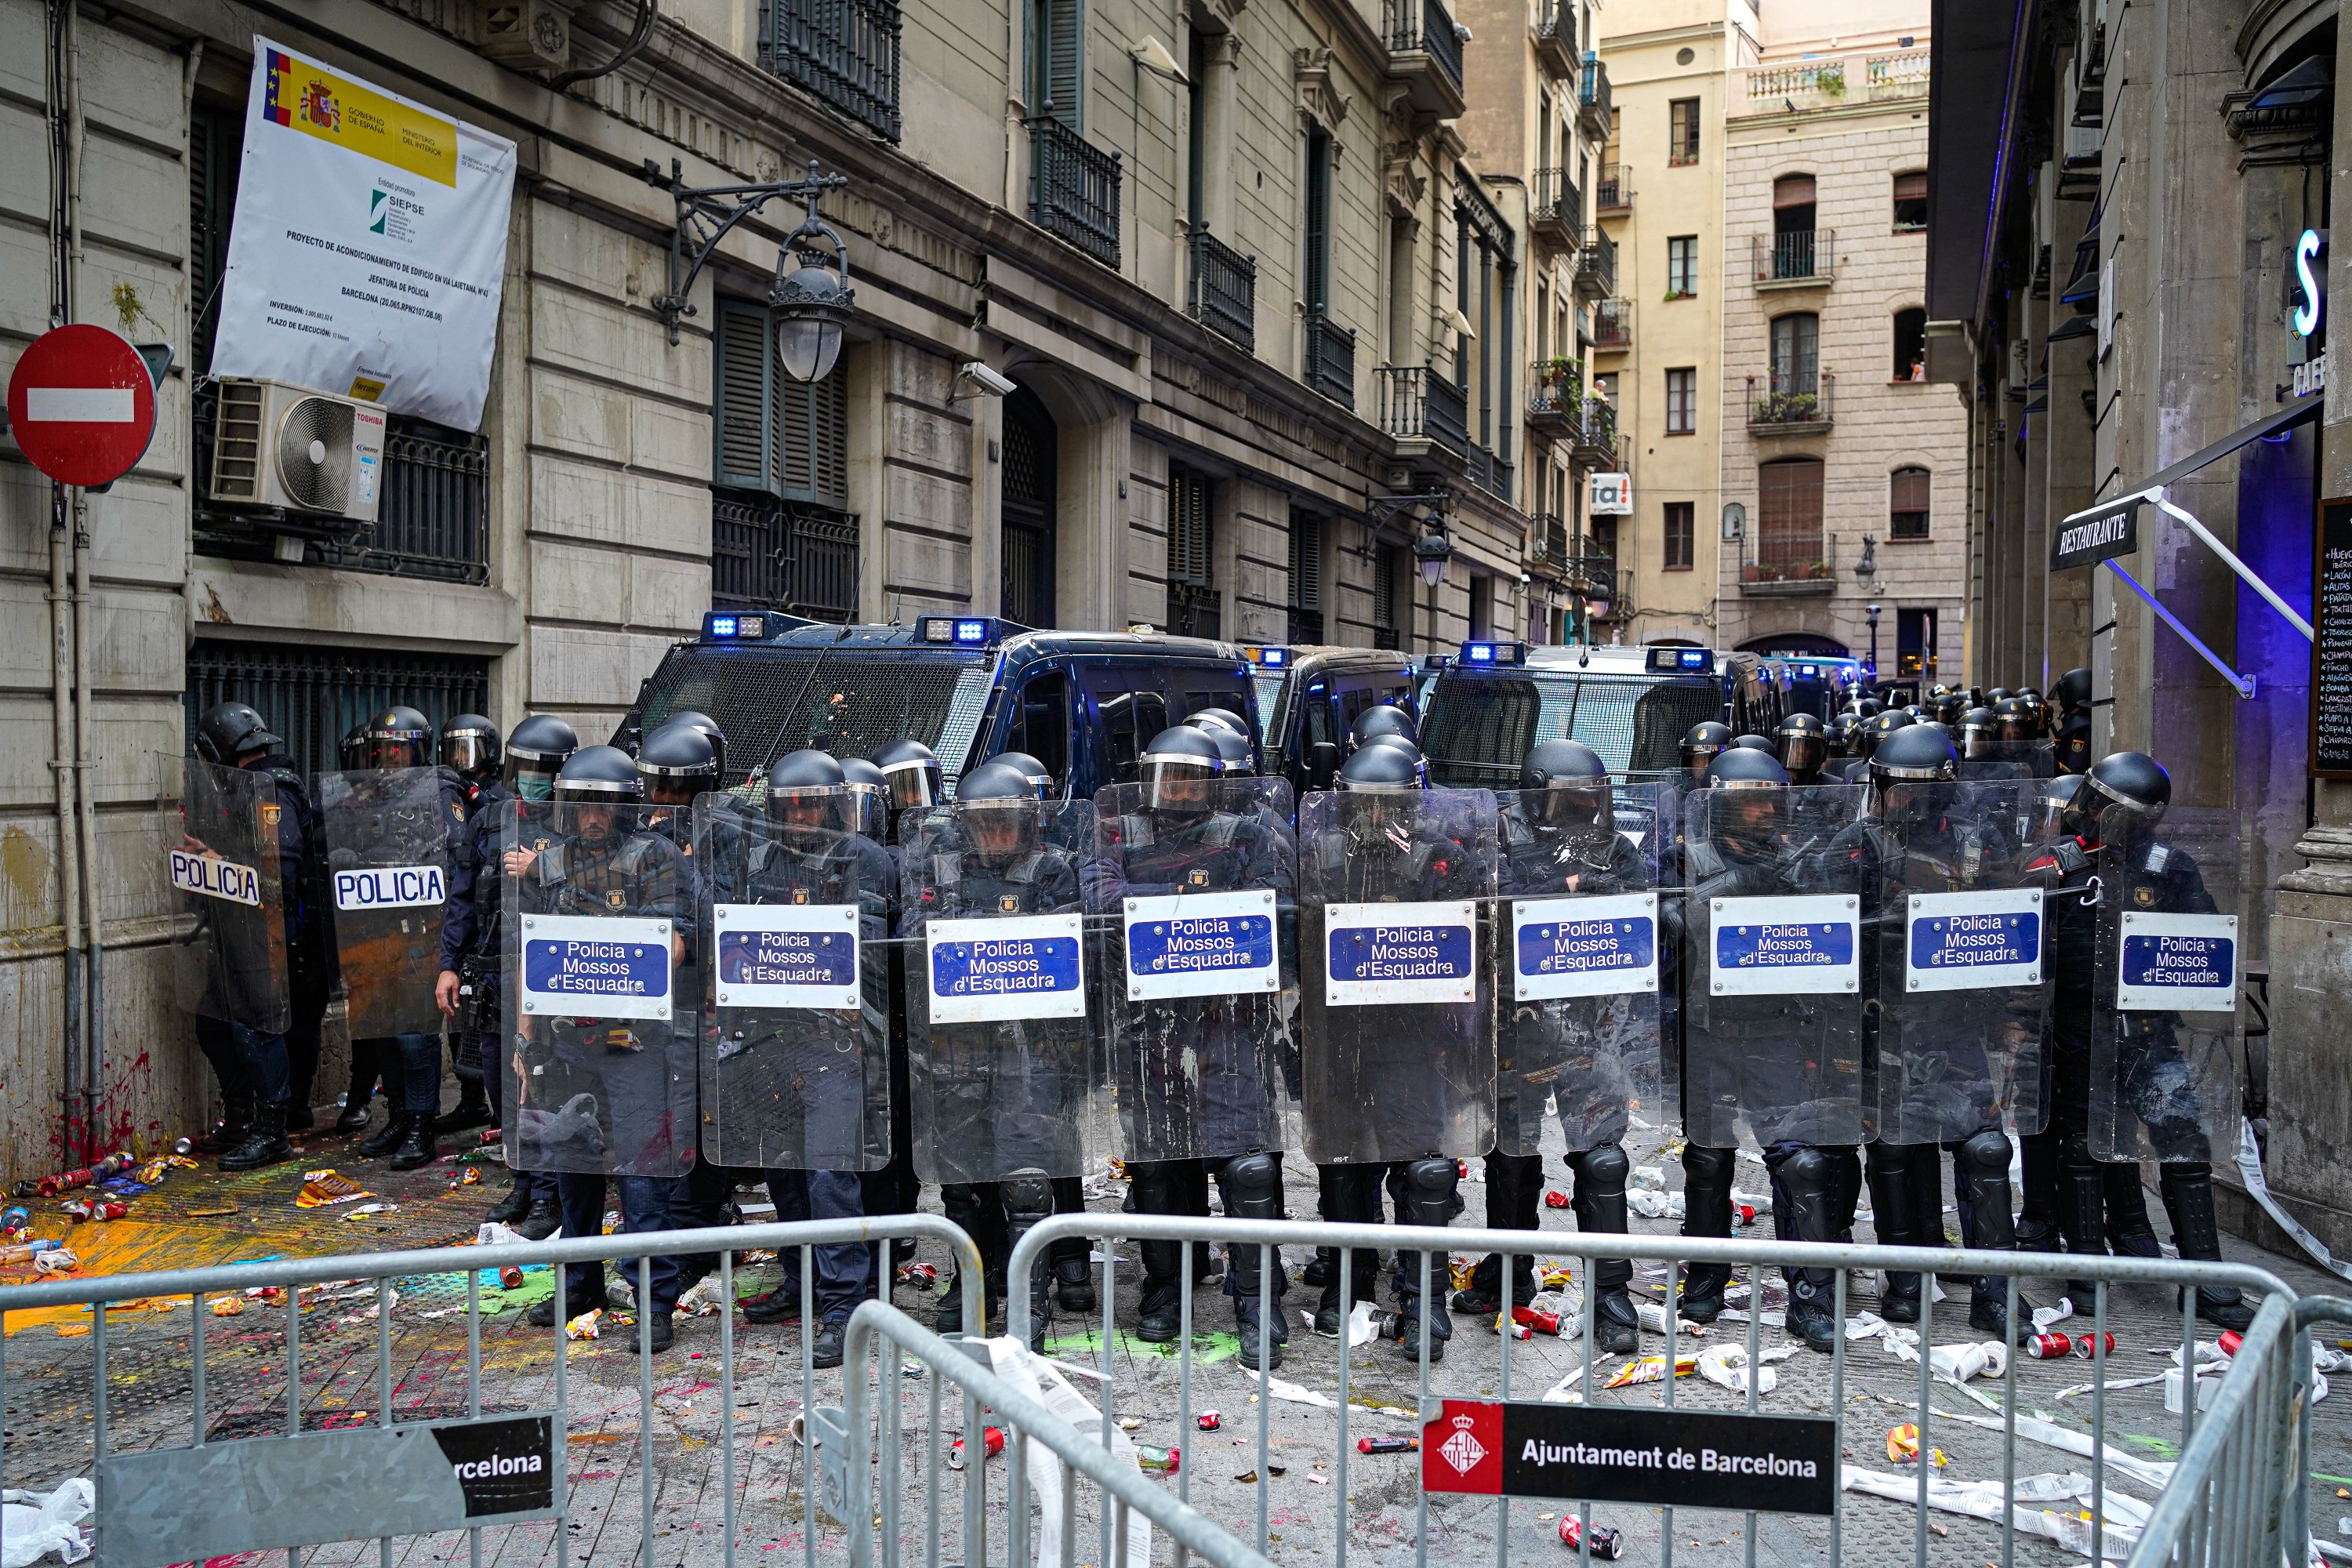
[1591, 1057]
[1382, 719]
[2072, 692]
[914, 776]
[869, 795]
[1202, 1079]
[605, 862]
[470, 753]
[2020, 736]
[1701, 744]
[254, 1066]
[1804, 748]
[471, 989]
[708, 727]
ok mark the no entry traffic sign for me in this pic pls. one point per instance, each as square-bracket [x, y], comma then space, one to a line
[82, 404]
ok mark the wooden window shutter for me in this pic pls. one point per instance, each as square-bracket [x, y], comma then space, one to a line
[1061, 60]
[1793, 191]
[1189, 547]
[811, 439]
[1318, 220]
[742, 413]
[1306, 561]
[1911, 187]
[1910, 490]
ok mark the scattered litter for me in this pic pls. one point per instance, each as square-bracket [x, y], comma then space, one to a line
[1650, 1369]
[2155, 1473]
[227, 1306]
[583, 1327]
[1654, 1319]
[1209, 1420]
[1113, 1257]
[1281, 1388]
[1647, 1178]
[213, 1212]
[35, 1524]
[1988, 1358]
[1321, 1480]
[370, 1208]
[1606, 1545]
[2045, 1316]
[923, 1274]
[1902, 1446]
[1654, 1205]
[1983, 1499]
[2047, 1347]
[1161, 1461]
[490, 1233]
[1556, 1200]
[55, 1260]
[1864, 1326]
[324, 1188]
[1129, 1423]
[1553, 1276]
[1566, 1392]
[1536, 1319]
[703, 1299]
[1726, 1366]
[992, 1439]
[2207, 1387]
[1388, 1444]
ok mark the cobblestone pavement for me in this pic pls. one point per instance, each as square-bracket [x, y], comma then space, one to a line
[149, 1404]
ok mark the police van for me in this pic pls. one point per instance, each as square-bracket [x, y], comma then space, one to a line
[1084, 703]
[1821, 687]
[1493, 703]
[1310, 695]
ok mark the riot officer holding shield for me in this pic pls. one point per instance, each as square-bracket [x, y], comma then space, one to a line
[470, 753]
[1577, 992]
[1194, 870]
[1804, 748]
[2019, 725]
[2071, 749]
[913, 774]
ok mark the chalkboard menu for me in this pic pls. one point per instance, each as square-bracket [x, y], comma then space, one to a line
[2331, 646]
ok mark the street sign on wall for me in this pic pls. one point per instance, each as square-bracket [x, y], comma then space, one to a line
[82, 404]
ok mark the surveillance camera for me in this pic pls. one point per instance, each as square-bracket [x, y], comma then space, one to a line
[994, 385]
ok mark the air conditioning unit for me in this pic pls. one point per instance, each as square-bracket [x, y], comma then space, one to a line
[297, 450]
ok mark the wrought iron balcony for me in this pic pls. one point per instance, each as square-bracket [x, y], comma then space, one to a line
[1194, 610]
[1792, 403]
[771, 554]
[1800, 256]
[1614, 191]
[1419, 405]
[1557, 213]
[1592, 100]
[1074, 189]
[1425, 50]
[843, 51]
[1330, 364]
[1613, 325]
[1224, 289]
[1548, 545]
[1788, 561]
[1493, 471]
[1595, 438]
[1554, 397]
[1596, 265]
[1556, 38]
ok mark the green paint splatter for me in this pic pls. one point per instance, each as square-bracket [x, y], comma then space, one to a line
[1208, 1349]
[2157, 1446]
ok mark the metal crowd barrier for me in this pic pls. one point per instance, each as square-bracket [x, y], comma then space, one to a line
[2223, 1507]
[2242, 1445]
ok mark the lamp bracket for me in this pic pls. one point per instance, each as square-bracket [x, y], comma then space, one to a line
[708, 214]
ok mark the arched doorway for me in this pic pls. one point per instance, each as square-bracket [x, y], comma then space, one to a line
[1028, 477]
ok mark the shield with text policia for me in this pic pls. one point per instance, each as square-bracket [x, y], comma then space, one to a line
[1194, 883]
[1398, 1044]
[229, 963]
[1000, 1067]
[600, 921]
[388, 857]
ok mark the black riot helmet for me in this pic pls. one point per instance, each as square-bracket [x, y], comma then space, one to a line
[1702, 742]
[2036, 707]
[1754, 789]
[1754, 743]
[1948, 708]
[1980, 734]
[869, 793]
[1180, 768]
[1745, 767]
[351, 750]
[399, 737]
[594, 777]
[2014, 715]
[1912, 770]
[2121, 799]
[1384, 768]
[1995, 696]
[1868, 707]
[1564, 784]
[1399, 743]
[1040, 777]
[2072, 690]
[805, 790]
[470, 746]
[1234, 750]
[913, 772]
[1219, 718]
[678, 763]
[1841, 735]
[536, 749]
[1870, 735]
[2052, 804]
[1000, 812]
[1804, 747]
[712, 733]
[230, 731]
[1383, 719]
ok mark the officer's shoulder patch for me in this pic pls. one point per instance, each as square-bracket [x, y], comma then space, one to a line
[1008, 903]
[270, 811]
[616, 899]
[458, 812]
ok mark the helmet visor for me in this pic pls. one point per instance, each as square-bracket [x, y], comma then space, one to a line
[395, 748]
[913, 785]
[1804, 752]
[864, 807]
[469, 751]
[529, 777]
[1001, 828]
[1176, 782]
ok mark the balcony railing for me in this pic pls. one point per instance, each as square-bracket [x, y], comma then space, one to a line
[1612, 324]
[1896, 76]
[1419, 405]
[1329, 366]
[771, 554]
[1783, 403]
[1798, 256]
[1492, 471]
[1829, 81]
[1194, 610]
[1557, 213]
[1794, 559]
[1556, 37]
[1595, 438]
[1554, 397]
[1593, 97]
[1074, 189]
[1596, 265]
[1224, 289]
[842, 51]
[1612, 193]
[1548, 545]
[1425, 27]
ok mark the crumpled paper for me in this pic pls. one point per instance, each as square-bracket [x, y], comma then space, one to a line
[33, 1525]
[1725, 1365]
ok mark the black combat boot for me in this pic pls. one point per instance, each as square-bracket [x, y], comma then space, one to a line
[385, 1139]
[1707, 1212]
[417, 1145]
[2188, 1191]
[1429, 1195]
[1804, 1177]
[232, 1131]
[1984, 1160]
[1159, 1309]
[1600, 1210]
[1252, 1187]
[1894, 1217]
[265, 1140]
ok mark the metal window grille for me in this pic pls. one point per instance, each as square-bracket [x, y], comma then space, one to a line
[213, 138]
[1224, 288]
[1074, 189]
[1330, 361]
[312, 696]
[767, 553]
[843, 51]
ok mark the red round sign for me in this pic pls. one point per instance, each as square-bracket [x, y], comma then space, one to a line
[81, 404]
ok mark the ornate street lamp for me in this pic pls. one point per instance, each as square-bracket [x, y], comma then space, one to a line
[811, 293]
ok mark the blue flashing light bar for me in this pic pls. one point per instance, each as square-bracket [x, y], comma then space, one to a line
[1670, 660]
[1487, 655]
[956, 631]
[728, 626]
[1268, 657]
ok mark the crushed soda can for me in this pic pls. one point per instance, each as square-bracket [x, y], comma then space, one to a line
[1606, 1545]
[926, 1274]
[1209, 1420]
[1556, 1200]
[75, 1209]
[110, 1209]
[1388, 1444]
[1533, 1318]
[2048, 1347]
[2229, 1342]
[1161, 1461]
[510, 1277]
[16, 1220]
[1745, 1213]
[2087, 1347]
[991, 1439]
[183, 1146]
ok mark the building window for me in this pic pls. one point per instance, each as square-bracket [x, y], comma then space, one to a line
[1316, 289]
[1910, 345]
[1910, 202]
[1682, 266]
[787, 439]
[1681, 133]
[1788, 518]
[312, 695]
[1391, 599]
[1305, 577]
[1907, 510]
[1057, 61]
[1682, 534]
[1796, 353]
[1028, 485]
[1914, 641]
[1682, 401]
[1192, 607]
[1482, 607]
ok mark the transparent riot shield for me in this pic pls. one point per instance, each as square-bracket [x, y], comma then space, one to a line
[1772, 1021]
[2163, 1025]
[1577, 967]
[1960, 935]
[388, 864]
[1665, 845]
[794, 1067]
[1398, 1046]
[230, 965]
[1196, 903]
[1001, 1075]
[600, 921]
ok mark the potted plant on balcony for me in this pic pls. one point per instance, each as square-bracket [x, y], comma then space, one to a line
[1560, 383]
[1788, 408]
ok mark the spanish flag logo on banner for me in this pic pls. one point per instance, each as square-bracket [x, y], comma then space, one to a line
[307, 98]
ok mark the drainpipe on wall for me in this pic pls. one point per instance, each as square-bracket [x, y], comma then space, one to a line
[64, 192]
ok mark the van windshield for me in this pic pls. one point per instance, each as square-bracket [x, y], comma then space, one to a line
[773, 700]
[1479, 728]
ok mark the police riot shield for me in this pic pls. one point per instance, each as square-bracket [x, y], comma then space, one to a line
[1665, 844]
[1001, 1075]
[2163, 1024]
[1960, 935]
[388, 864]
[600, 921]
[1772, 1024]
[1398, 1045]
[1577, 970]
[229, 965]
[1193, 885]
[794, 1067]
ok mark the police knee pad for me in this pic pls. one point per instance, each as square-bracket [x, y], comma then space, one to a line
[1986, 1153]
[2075, 1150]
[1604, 1169]
[1153, 1190]
[1431, 1188]
[1253, 1185]
[1028, 1197]
[1708, 1167]
[1805, 1170]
